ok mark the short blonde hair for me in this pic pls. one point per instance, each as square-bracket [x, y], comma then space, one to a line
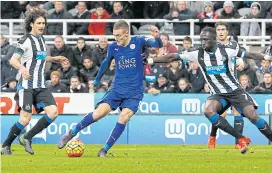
[121, 24]
[55, 73]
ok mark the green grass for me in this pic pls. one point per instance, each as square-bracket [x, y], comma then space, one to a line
[141, 159]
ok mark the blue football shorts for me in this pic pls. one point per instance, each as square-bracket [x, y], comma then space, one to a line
[115, 100]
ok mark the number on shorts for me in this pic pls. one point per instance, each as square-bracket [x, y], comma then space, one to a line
[245, 96]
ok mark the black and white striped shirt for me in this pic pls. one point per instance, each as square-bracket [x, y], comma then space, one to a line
[218, 67]
[33, 52]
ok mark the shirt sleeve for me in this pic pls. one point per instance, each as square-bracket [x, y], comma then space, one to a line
[105, 64]
[151, 42]
[239, 51]
[21, 47]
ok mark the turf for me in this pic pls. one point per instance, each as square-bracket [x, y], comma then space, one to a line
[141, 159]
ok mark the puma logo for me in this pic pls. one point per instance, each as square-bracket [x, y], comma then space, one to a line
[219, 122]
[264, 128]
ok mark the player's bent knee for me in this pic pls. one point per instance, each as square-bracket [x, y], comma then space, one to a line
[51, 111]
[251, 114]
[125, 116]
[248, 109]
[209, 109]
[25, 118]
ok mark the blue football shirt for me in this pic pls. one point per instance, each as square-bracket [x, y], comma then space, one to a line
[129, 72]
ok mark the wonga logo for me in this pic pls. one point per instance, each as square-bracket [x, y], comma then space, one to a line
[268, 106]
[179, 129]
[175, 128]
[190, 106]
[56, 129]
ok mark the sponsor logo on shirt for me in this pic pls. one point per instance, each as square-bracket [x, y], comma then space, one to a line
[216, 70]
[126, 62]
[41, 55]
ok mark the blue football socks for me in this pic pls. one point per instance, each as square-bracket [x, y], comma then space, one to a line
[115, 134]
[86, 121]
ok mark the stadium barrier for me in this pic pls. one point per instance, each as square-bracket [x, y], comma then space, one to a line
[158, 121]
[245, 40]
[187, 104]
[146, 129]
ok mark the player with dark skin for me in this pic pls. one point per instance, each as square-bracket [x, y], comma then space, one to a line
[222, 33]
[212, 105]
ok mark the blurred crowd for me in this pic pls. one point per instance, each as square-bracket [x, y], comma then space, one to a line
[171, 10]
[175, 77]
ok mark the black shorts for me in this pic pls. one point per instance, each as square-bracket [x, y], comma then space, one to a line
[238, 98]
[39, 98]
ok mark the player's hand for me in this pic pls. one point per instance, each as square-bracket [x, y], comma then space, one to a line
[240, 65]
[96, 83]
[154, 31]
[25, 73]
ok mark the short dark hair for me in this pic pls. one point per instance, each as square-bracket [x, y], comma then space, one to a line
[80, 38]
[221, 23]
[185, 80]
[244, 75]
[87, 57]
[99, 5]
[268, 73]
[118, 2]
[166, 35]
[211, 30]
[83, 2]
[187, 38]
[31, 17]
[121, 24]
[75, 77]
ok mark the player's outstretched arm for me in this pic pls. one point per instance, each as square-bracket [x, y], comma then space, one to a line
[103, 68]
[188, 56]
[257, 56]
[164, 58]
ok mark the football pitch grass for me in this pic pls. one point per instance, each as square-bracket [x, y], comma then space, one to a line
[141, 159]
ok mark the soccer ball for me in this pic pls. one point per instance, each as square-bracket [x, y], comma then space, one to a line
[75, 148]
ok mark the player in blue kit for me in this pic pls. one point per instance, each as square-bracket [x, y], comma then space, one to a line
[127, 89]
